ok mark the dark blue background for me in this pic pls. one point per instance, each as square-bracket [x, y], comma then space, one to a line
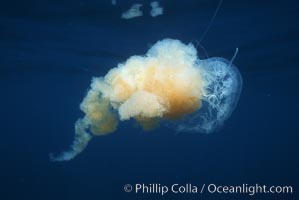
[51, 49]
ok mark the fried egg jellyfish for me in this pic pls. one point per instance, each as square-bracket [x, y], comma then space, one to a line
[169, 85]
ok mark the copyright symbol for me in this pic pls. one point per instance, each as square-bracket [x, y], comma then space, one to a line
[128, 188]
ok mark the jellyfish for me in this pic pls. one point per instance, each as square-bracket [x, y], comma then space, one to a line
[168, 86]
[156, 9]
[133, 12]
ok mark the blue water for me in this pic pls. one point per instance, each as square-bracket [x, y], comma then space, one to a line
[50, 50]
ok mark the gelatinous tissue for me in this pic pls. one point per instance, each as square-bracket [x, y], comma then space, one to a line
[168, 86]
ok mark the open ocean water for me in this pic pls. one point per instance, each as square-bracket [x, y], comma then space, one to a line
[50, 50]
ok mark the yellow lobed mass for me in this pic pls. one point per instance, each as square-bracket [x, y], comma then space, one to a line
[164, 84]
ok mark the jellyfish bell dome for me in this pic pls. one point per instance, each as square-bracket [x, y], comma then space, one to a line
[221, 91]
